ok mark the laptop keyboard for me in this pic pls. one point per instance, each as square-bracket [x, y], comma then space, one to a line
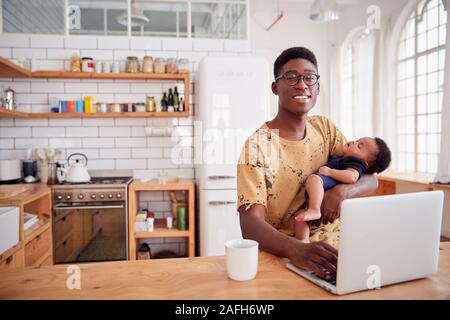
[331, 281]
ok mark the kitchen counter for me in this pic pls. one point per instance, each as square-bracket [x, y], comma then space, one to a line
[200, 278]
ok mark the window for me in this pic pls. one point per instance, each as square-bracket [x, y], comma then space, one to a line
[218, 19]
[420, 78]
[25, 16]
[348, 79]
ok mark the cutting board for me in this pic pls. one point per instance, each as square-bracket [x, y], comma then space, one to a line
[8, 191]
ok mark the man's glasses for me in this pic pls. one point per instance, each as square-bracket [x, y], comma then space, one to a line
[293, 78]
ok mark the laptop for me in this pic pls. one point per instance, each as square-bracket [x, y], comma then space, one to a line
[385, 240]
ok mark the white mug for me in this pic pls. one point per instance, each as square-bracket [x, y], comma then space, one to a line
[242, 259]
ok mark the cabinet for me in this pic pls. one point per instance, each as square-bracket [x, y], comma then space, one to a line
[160, 231]
[11, 70]
[35, 246]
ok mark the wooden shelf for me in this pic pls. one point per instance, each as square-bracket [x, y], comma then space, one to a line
[161, 231]
[4, 113]
[37, 228]
[50, 74]
[11, 70]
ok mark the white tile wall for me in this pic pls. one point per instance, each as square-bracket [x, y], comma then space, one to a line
[108, 143]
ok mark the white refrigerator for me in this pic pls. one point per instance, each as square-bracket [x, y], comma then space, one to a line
[233, 101]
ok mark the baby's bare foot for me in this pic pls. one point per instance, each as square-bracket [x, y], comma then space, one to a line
[308, 215]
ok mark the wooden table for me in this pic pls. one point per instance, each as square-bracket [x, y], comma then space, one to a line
[200, 278]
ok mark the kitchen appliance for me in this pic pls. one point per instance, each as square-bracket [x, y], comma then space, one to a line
[75, 173]
[90, 220]
[233, 103]
[30, 171]
[10, 171]
[9, 99]
[9, 227]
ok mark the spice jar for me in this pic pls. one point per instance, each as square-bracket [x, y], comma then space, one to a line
[75, 63]
[148, 64]
[132, 64]
[140, 107]
[172, 65]
[160, 65]
[183, 65]
[87, 64]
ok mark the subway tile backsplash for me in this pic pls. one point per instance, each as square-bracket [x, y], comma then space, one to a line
[109, 143]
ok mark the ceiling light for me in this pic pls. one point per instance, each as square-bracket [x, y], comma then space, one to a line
[324, 10]
[137, 17]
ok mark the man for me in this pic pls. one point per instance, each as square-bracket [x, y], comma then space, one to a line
[277, 159]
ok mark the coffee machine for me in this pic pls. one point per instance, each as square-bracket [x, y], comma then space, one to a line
[30, 170]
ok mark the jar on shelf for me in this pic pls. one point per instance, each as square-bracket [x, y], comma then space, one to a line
[171, 65]
[140, 107]
[132, 65]
[160, 65]
[75, 63]
[87, 64]
[183, 65]
[147, 66]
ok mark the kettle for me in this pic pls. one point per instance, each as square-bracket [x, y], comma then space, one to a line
[9, 99]
[75, 173]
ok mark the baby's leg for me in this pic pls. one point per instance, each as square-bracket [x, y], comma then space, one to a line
[314, 187]
[301, 229]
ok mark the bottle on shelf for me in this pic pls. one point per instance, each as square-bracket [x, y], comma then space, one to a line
[170, 98]
[176, 98]
[181, 105]
[164, 102]
[181, 218]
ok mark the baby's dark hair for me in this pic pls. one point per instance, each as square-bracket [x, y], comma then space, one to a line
[293, 53]
[383, 158]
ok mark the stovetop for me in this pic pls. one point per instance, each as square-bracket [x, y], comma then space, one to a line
[99, 189]
[97, 182]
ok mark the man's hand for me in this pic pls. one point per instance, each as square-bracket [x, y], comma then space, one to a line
[331, 205]
[319, 257]
[324, 170]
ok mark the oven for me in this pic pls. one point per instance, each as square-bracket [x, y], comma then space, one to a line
[90, 223]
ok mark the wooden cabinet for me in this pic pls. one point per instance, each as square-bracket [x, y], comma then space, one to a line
[15, 260]
[11, 70]
[35, 247]
[160, 231]
[36, 250]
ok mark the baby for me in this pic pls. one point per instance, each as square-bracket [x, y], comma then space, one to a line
[366, 155]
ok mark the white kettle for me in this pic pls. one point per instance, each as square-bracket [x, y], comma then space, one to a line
[75, 173]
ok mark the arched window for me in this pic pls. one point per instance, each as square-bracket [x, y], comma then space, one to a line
[348, 79]
[420, 77]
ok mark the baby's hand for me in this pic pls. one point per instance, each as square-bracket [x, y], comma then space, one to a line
[325, 170]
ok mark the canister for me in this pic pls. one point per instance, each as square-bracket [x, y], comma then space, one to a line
[88, 104]
[181, 218]
[87, 64]
[80, 106]
[71, 106]
[63, 106]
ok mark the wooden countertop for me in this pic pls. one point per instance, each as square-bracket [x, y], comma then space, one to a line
[32, 192]
[423, 179]
[200, 278]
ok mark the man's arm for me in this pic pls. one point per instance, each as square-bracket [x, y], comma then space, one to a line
[312, 256]
[332, 199]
